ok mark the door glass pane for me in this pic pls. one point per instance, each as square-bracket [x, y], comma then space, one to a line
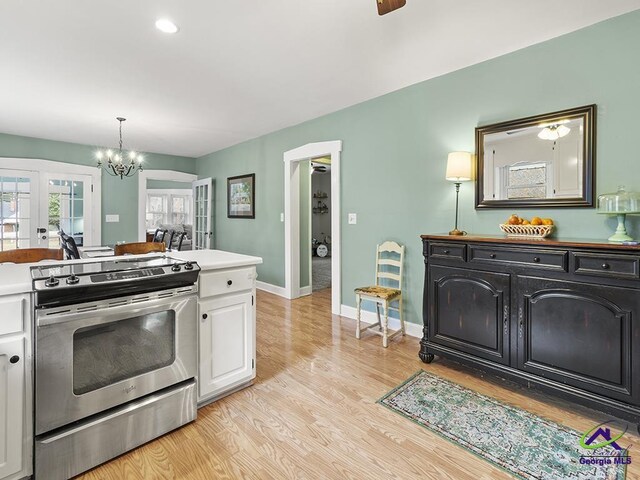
[66, 210]
[110, 353]
[15, 214]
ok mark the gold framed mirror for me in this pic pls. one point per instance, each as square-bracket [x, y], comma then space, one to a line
[540, 161]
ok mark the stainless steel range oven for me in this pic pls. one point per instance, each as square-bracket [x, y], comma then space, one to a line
[112, 371]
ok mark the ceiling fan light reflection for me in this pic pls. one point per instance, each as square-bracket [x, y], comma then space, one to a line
[553, 132]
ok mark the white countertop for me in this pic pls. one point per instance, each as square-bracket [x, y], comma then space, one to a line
[16, 278]
[216, 259]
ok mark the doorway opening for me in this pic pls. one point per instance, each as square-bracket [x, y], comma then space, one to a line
[176, 202]
[298, 249]
[320, 247]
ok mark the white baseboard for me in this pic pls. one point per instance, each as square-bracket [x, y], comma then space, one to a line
[267, 287]
[304, 291]
[411, 329]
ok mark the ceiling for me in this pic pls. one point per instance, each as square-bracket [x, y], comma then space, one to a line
[240, 69]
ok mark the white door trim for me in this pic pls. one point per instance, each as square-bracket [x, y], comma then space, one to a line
[145, 175]
[292, 159]
[49, 166]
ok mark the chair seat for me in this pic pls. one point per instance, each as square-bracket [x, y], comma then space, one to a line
[384, 293]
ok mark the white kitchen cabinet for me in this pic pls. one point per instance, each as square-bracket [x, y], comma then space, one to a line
[16, 440]
[226, 332]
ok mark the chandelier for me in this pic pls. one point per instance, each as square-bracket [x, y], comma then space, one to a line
[120, 164]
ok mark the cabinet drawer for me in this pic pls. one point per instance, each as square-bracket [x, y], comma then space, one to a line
[546, 259]
[12, 309]
[454, 251]
[219, 282]
[620, 266]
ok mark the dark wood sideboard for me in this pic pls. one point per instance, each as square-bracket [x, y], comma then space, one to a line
[563, 316]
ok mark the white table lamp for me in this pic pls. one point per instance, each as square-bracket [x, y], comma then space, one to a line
[459, 169]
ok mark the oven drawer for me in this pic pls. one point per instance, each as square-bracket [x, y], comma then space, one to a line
[219, 282]
[451, 251]
[546, 259]
[617, 266]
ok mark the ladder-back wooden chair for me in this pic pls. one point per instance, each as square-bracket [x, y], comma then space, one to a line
[138, 248]
[30, 255]
[386, 291]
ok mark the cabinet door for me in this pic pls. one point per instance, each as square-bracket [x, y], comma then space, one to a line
[469, 311]
[581, 335]
[227, 346]
[12, 399]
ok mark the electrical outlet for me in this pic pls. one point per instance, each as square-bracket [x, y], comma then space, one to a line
[353, 219]
[282, 217]
[112, 218]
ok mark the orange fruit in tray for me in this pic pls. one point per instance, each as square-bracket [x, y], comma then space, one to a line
[514, 220]
[547, 221]
[525, 222]
[536, 221]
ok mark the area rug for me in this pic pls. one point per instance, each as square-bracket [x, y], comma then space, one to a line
[513, 439]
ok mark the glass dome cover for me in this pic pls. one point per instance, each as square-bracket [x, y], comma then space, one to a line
[621, 201]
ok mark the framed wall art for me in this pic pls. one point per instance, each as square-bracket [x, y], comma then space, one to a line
[241, 196]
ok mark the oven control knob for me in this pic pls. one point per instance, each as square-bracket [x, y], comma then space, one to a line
[51, 281]
[175, 267]
[188, 266]
[73, 279]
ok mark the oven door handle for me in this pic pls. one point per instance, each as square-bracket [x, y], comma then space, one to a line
[107, 314]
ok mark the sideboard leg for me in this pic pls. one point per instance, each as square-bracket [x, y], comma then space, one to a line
[428, 358]
[425, 356]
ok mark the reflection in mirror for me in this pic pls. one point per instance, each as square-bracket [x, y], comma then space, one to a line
[545, 160]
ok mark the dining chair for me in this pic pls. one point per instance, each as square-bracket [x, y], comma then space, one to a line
[168, 239]
[69, 246]
[159, 234]
[387, 291]
[179, 240]
[137, 248]
[30, 255]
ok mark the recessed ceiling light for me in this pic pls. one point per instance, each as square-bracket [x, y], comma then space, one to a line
[166, 26]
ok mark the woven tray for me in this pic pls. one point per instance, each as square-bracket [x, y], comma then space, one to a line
[534, 231]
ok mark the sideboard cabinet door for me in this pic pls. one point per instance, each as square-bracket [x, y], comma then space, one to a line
[469, 311]
[581, 335]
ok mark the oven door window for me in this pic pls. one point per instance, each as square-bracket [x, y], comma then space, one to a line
[109, 353]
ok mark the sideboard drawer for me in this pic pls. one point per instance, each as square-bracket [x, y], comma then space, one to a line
[619, 266]
[453, 251]
[547, 259]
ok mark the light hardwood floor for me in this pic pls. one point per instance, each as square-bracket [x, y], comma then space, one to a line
[312, 411]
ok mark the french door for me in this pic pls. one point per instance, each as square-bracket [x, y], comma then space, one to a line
[202, 218]
[63, 205]
[35, 206]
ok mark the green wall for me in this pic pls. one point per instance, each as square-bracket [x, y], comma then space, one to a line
[395, 149]
[118, 196]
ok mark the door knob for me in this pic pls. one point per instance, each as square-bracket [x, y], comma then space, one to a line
[14, 359]
[205, 316]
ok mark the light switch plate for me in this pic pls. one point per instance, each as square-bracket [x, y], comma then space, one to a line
[282, 217]
[353, 219]
[112, 218]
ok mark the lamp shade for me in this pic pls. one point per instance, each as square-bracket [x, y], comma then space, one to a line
[459, 167]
